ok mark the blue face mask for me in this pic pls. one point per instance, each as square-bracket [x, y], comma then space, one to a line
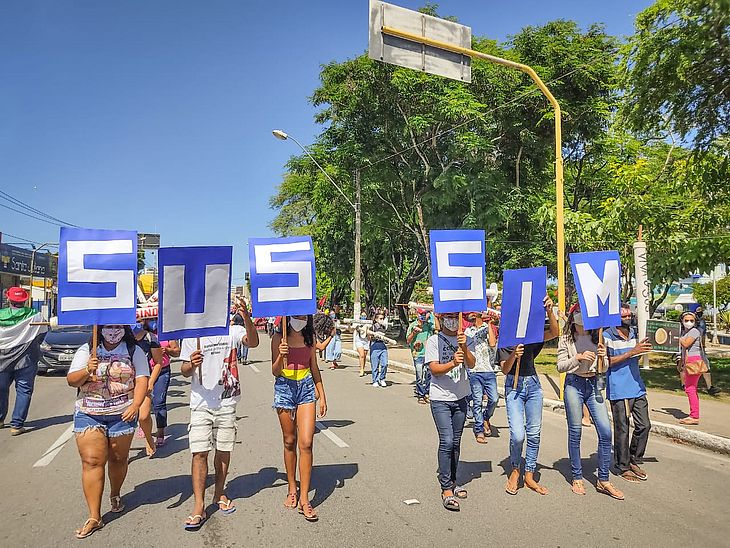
[152, 325]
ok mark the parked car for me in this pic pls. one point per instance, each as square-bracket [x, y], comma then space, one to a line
[59, 347]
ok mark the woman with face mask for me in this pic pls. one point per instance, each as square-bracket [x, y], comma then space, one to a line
[692, 365]
[583, 357]
[378, 351]
[298, 385]
[448, 355]
[111, 383]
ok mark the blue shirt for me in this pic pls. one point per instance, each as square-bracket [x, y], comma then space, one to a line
[623, 381]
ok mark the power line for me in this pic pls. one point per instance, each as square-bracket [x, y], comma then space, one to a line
[31, 216]
[33, 210]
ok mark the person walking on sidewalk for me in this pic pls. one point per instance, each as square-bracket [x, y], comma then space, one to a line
[297, 388]
[482, 378]
[448, 355]
[215, 390]
[417, 335]
[20, 350]
[378, 350]
[712, 390]
[626, 394]
[524, 404]
[693, 365]
[579, 355]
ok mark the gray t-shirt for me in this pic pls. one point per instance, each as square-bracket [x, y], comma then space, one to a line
[695, 349]
[454, 385]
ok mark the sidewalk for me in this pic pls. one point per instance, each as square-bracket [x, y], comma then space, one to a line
[664, 409]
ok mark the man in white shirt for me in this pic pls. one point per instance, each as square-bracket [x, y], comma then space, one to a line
[215, 390]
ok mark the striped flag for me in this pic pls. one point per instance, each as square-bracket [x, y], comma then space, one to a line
[17, 335]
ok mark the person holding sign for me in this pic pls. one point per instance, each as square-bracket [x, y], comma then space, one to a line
[582, 356]
[523, 398]
[417, 335]
[627, 395]
[215, 390]
[111, 382]
[482, 378]
[297, 387]
[448, 355]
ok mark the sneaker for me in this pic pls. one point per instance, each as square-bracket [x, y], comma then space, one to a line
[383, 384]
[17, 431]
[376, 385]
[713, 390]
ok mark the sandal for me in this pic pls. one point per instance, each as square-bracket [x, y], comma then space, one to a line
[308, 512]
[487, 429]
[578, 488]
[607, 488]
[159, 442]
[689, 421]
[80, 534]
[481, 438]
[190, 526]
[291, 501]
[509, 490]
[630, 477]
[422, 400]
[460, 492]
[450, 503]
[117, 506]
[226, 506]
[638, 472]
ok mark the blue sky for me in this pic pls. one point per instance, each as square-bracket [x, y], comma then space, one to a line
[157, 115]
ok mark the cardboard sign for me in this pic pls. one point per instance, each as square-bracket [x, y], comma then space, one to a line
[663, 336]
[523, 313]
[194, 290]
[97, 276]
[458, 270]
[283, 279]
[597, 276]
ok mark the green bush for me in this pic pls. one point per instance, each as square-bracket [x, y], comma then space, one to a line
[673, 314]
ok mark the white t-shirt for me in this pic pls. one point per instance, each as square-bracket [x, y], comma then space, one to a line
[221, 386]
[453, 385]
[113, 391]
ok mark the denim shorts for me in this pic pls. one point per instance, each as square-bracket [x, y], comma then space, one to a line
[288, 393]
[111, 425]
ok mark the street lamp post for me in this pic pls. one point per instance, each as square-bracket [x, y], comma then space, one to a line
[32, 272]
[283, 136]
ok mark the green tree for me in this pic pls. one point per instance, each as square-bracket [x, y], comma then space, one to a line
[676, 69]
[703, 293]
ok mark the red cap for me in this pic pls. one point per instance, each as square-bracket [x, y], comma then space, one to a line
[420, 311]
[574, 308]
[17, 295]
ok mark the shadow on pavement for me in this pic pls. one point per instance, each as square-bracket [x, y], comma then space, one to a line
[248, 485]
[554, 385]
[469, 471]
[589, 466]
[175, 441]
[337, 423]
[328, 477]
[673, 411]
[39, 424]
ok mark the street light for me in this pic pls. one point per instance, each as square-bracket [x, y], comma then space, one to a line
[32, 272]
[283, 136]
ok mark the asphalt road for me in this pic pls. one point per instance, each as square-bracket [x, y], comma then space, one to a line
[377, 448]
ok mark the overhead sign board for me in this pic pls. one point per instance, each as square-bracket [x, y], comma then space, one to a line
[148, 241]
[407, 53]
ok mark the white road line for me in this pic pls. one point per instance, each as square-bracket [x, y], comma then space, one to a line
[55, 449]
[333, 437]
[252, 366]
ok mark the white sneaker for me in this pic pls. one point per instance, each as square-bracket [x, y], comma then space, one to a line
[375, 384]
[382, 383]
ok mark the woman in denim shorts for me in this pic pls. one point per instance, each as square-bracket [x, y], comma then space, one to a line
[298, 385]
[111, 383]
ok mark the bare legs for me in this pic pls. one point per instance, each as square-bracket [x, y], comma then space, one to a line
[118, 462]
[362, 355]
[298, 432]
[145, 423]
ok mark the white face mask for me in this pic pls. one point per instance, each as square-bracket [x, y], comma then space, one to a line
[297, 324]
[382, 322]
[450, 324]
[112, 335]
[689, 324]
[578, 319]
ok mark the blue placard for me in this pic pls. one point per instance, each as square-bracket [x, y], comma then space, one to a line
[97, 276]
[458, 270]
[282, 276]
[194, 291]
[523, 312]
[597, 276]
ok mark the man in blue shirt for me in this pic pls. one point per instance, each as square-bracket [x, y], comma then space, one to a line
[627, 394]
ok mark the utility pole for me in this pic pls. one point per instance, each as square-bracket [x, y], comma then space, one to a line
[358, 269]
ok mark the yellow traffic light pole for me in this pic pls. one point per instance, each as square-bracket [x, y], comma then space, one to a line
[559, 219]
[560, 228]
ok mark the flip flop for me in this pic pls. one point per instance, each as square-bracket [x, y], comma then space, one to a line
[195, 526]
[510, 491]
[312, 516]
[94, 529]
[226, 507]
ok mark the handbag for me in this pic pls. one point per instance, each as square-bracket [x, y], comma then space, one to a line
[696, 366]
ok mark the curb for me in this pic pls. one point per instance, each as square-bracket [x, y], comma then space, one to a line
[696, 438]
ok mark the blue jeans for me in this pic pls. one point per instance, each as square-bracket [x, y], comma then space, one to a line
[423, 376]
[24, 382]
[242, 352]
[449, 417]
[524, 414]
[159, 397]
[483, 382]
[579, 390]
[379, 363]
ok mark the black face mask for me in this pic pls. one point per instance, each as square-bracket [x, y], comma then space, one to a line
[626, 322]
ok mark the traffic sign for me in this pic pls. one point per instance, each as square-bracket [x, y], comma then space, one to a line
[407, 53]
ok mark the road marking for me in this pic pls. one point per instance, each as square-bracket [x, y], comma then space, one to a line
[252, 366]
[334, 438]
[55, 449]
